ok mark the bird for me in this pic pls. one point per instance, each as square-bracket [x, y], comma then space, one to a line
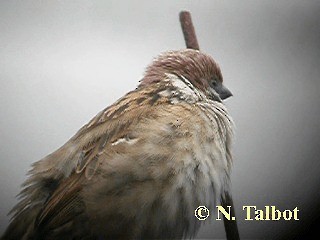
[141, 166]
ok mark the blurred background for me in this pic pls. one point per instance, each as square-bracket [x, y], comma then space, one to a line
[61, 62]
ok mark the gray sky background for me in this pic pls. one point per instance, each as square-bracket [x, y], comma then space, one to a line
[61, 62]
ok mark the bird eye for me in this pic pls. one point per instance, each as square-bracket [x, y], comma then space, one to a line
[214, 83]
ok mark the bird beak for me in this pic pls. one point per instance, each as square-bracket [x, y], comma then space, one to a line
[223, 92]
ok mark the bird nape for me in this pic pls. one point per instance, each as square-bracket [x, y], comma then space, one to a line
[139, 168]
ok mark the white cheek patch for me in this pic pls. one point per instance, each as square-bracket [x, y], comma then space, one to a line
[185, 89]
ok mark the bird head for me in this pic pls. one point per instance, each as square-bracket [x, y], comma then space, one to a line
[197, 67]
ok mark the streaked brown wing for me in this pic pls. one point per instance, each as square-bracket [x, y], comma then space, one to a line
[63, 211]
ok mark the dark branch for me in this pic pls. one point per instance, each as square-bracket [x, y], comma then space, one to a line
[190, 38]
[230, 226]
[188, 30]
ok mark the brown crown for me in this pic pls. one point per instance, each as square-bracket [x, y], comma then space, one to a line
[194, 65]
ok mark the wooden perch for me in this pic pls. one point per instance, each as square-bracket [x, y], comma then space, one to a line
[190, 38]
[189, 33]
